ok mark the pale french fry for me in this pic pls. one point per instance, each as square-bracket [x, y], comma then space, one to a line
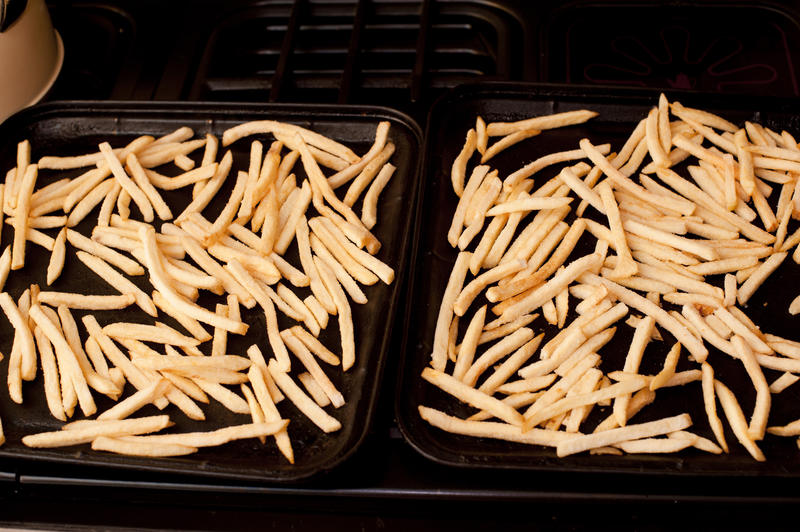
[472, 396]
[552, 121]
[367, 174]
[737, 420]
[759, 275]
[307, 359]
[305, 404]
[143, 182]
[641, 337]
[127, 184]
[133, 374]
[466, 351]
[70, 331]
[210, 189]
[26, 345]
[552, 287]
[86, 302]
[502, 373]
[52, 388]
[506, 142]
[582, 443]
[473, 184]
[528, 204]
[654, 145]
[22, 204]
[454, 287]
[690, 342]
[256, 413]
[137, 448]
[86, 433]
[136, 401]
[655, 445]
[67, 360]
[159, 279]
[495, 353]
[316, 347]
[313, 389]
[56, 263]
[106, 208]
[99, 360]
[223, 395]
[758, 421]
[490, 429]
[634, 384]
[117, 281]
[668, 370]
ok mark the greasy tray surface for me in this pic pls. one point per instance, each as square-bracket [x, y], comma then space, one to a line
[433, 259]
[75, 128]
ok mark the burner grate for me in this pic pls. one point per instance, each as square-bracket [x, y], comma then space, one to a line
[358, 51]
[715, 48]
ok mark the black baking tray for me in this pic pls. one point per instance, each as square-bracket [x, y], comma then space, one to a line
[620, 109]
[69, 128]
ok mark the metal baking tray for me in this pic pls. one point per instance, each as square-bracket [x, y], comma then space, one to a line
[620, 109]
[70, 128]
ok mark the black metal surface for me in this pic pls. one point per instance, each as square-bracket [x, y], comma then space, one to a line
[620, 110]
[72, 128]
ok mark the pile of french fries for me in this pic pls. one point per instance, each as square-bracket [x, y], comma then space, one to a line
[240, 256]
[677, 257]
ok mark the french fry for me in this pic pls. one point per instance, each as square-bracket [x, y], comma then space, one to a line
[737, 420]
[489, 429]
[540, 122]
[26, 345]
[631, 432]
[215, 437]
[94, 429]
[22, 203]
[67, 360]
[305, 404]
[136, 401]
[472, 396]
[86, 302]
[56, 263]
[117, 281]
[127, 184]
[159, 280]
[52, 387]
[136, 448]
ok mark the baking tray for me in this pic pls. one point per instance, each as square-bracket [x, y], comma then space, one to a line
[620, 109]
[67, 128]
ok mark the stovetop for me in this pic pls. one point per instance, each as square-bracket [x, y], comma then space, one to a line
[405, 54]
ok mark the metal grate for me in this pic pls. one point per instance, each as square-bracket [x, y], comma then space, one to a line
[357, 51]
